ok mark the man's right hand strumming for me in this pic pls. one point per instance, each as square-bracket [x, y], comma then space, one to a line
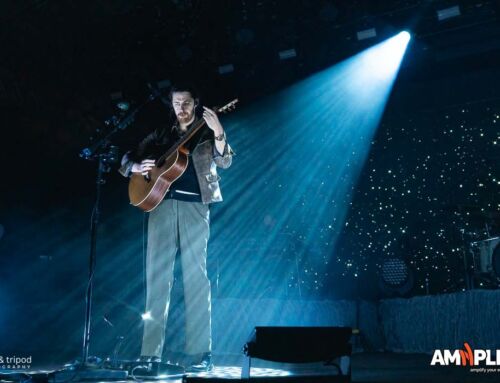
[144, 167]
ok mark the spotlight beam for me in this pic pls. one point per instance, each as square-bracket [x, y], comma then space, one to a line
[300, 154]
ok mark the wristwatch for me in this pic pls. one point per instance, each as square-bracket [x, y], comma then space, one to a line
[221, 137]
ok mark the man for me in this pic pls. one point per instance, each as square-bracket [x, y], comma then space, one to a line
[181, 222]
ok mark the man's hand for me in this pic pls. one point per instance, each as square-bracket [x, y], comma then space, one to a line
[212, 121]
[144, 167]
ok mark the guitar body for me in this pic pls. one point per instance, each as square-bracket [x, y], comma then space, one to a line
[147, 193]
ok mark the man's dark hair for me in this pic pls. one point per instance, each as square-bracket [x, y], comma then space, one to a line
[184, 87]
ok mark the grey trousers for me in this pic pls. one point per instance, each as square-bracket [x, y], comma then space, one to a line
[177, 225]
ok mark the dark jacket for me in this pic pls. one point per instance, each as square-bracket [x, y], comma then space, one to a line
[205, 158]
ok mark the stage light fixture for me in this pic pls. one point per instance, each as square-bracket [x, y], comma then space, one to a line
[385, 58]
[394, 271]
[287, 54]
[366, 34]
[396, 278]
[225, 69]
[405, 36]
[448, 13]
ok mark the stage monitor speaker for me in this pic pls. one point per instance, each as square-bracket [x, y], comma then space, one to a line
[330, 345]
[300, 345]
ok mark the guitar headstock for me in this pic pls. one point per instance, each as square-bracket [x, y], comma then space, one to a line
[229, 107]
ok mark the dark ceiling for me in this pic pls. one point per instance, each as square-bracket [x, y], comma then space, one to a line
[61, 60]
[88, 49]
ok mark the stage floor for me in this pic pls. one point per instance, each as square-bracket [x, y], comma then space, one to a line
[366, 368]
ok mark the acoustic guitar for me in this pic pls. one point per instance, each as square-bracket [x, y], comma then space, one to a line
[147, 191]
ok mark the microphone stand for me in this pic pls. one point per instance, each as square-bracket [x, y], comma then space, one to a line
[105, 154]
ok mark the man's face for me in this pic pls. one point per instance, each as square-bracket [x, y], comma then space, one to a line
[183, 104]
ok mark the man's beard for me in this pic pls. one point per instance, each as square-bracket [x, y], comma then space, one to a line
[184, 118]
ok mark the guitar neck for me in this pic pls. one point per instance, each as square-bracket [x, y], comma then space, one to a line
[194, 129]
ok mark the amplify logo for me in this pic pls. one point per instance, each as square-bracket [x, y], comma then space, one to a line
[467, 357]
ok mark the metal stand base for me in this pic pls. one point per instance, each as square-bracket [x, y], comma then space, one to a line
[77, 373]
[150, 370]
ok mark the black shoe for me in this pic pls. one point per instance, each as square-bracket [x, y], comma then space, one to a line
[205, 365]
